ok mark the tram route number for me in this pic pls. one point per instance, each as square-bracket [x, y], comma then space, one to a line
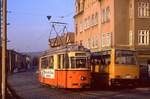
[48, 73]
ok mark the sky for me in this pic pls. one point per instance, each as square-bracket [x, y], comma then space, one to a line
[29, 29]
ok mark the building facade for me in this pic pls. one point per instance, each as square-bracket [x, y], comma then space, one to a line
[17, 61]
[105, 24]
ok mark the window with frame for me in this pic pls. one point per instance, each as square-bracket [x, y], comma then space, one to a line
[76, 28]
[88, 22]
[51, 62]
[78, 62]
[85, 24]
[125, 57]
[106, 39]
[81, 26]
[81, 6]
[143, 37]
[76, 7]
[92, 20]
[96, 18]
[60, 61]
[96, 41]
[143, 10]
[89, 43]
[44, 63]
[105, 15]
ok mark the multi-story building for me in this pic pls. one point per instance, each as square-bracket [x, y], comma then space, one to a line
[105, 24]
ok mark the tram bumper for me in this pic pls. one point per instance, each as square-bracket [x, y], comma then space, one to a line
[84, 85]
[124, 82]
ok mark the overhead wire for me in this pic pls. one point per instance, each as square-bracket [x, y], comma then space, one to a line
[39, 14]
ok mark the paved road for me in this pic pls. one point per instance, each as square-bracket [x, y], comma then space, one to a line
[28, 87]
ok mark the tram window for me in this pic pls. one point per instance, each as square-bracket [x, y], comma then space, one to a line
[81, 63]
[125, 58]
[51, 62]
[66, 61]
[96, 61]
[60, 61]
[105, 60]
[44, 63]
[78, 62]
[73, 62]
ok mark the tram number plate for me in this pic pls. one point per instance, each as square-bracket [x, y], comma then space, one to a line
[48, 73]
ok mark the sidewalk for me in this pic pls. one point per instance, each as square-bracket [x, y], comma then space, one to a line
[11, 94]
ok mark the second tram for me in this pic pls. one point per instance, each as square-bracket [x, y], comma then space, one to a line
[114, 67]
[66, 68]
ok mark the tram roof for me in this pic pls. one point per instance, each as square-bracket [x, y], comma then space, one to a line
[107, 51]
[64, 49]
[121, 49]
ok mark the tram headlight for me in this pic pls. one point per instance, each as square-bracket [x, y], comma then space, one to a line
[128, 76]
[82, 78]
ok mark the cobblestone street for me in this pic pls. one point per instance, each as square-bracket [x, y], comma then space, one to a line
[28, 87]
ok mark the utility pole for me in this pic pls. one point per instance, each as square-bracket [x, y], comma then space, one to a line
[0, 18]
[0, 48]
[4, 47]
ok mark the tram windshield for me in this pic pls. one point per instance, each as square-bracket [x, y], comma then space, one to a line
[103, 58]
[78, 62]
[125, 57]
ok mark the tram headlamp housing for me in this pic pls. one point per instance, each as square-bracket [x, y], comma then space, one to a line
[82, 78]
[128, 76]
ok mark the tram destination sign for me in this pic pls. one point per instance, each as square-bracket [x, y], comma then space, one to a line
[48, 73]
[124, 52]
[80, 54]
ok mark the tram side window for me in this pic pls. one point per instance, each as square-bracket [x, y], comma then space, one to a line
[66, 61]
[60, 61]
[125, 58]
[73, 62]
[95, 61]
[44, 63]
[105, 60]
[51, 62]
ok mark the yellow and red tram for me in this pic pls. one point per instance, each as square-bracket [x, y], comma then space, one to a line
[66, 67]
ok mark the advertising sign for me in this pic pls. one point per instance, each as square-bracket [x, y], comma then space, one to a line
[48, 73]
